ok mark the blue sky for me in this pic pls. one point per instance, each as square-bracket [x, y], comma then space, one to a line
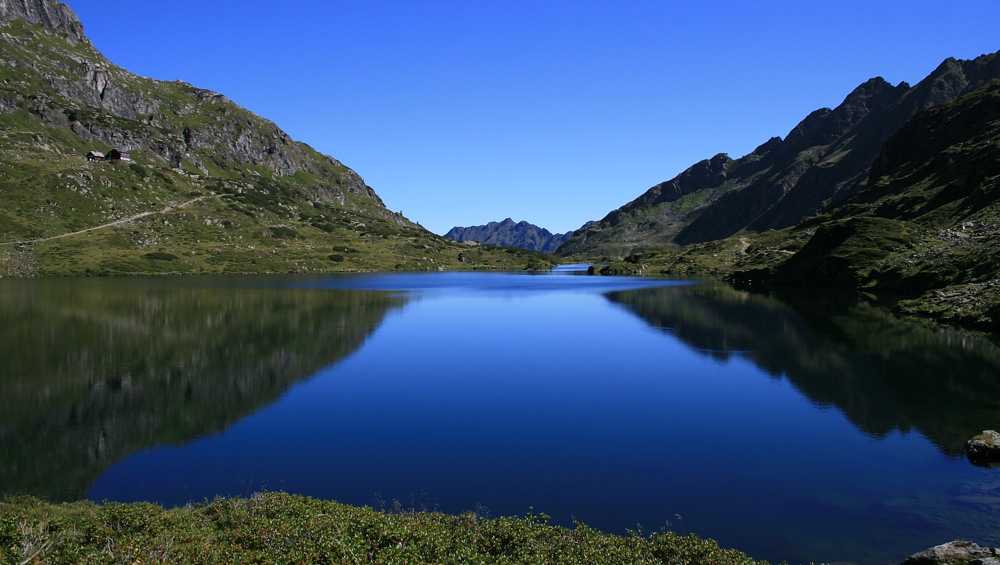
[555, 112]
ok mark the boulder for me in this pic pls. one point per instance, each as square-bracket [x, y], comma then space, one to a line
[984, 449]
[955, 553]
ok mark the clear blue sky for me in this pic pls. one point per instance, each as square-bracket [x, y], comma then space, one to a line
[550, 111]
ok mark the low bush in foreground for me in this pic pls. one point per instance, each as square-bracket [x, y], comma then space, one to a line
[284, 528]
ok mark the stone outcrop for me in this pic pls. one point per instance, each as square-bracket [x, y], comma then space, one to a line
[955, 553]
[175, 121]
[49, 13]
[984, 449]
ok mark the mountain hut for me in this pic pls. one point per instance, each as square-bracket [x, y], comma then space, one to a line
[116, 155]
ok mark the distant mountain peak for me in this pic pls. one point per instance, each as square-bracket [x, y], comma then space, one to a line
[511, 234]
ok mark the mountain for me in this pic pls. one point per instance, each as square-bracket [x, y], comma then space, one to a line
[510, 234]
[823, 161]
[211, 187]
[922, 234]
[928, 224]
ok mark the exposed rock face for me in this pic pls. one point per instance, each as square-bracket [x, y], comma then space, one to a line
[823, 161]
[212, 187]
[175, 121]
[510, 234]
[984, 449]
[955, 553]
[49, 13]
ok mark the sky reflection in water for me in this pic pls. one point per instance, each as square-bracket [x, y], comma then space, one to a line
[569, 395]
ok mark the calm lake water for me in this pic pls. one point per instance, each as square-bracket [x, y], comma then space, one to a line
[800, 428]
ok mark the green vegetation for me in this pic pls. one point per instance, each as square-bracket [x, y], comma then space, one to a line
[921, 236]
[208, 225]
[212, 187]
[284, 528]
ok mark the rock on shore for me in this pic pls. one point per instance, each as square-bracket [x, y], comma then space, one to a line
[984, 449]
[956, 553]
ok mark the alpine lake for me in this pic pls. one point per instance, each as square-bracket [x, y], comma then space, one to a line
[800, 427]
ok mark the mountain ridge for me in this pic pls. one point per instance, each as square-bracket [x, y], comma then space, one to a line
[510, 234]
[822, 161]
[921, 236]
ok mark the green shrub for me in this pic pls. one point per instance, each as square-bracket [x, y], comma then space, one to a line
[284, 528]
[161, 256]
[134, 517]
[282, 232]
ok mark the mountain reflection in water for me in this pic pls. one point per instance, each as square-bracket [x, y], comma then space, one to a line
[802, 427]
[882, 373]
[95, 369]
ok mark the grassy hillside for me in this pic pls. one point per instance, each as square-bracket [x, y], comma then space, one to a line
[822, 162]
[923, 234]
[212, 187]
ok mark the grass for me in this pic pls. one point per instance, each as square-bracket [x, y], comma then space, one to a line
[268, 204]
[260, 227]
[284, 528]
[247, 224]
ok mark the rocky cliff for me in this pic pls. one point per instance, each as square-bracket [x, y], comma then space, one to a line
[181, 125]
[823, 161]
[52, 15]
[510, 234]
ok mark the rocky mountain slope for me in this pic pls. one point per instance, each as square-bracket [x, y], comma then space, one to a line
[922, 235]
[823, 161]
[211, 186]
[507, 233]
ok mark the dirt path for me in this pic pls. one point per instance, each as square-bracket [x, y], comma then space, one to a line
[109, 224]
[746, 245]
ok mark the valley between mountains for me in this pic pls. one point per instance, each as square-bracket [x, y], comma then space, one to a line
[205, 186]
[891, 198]
[893, 192]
